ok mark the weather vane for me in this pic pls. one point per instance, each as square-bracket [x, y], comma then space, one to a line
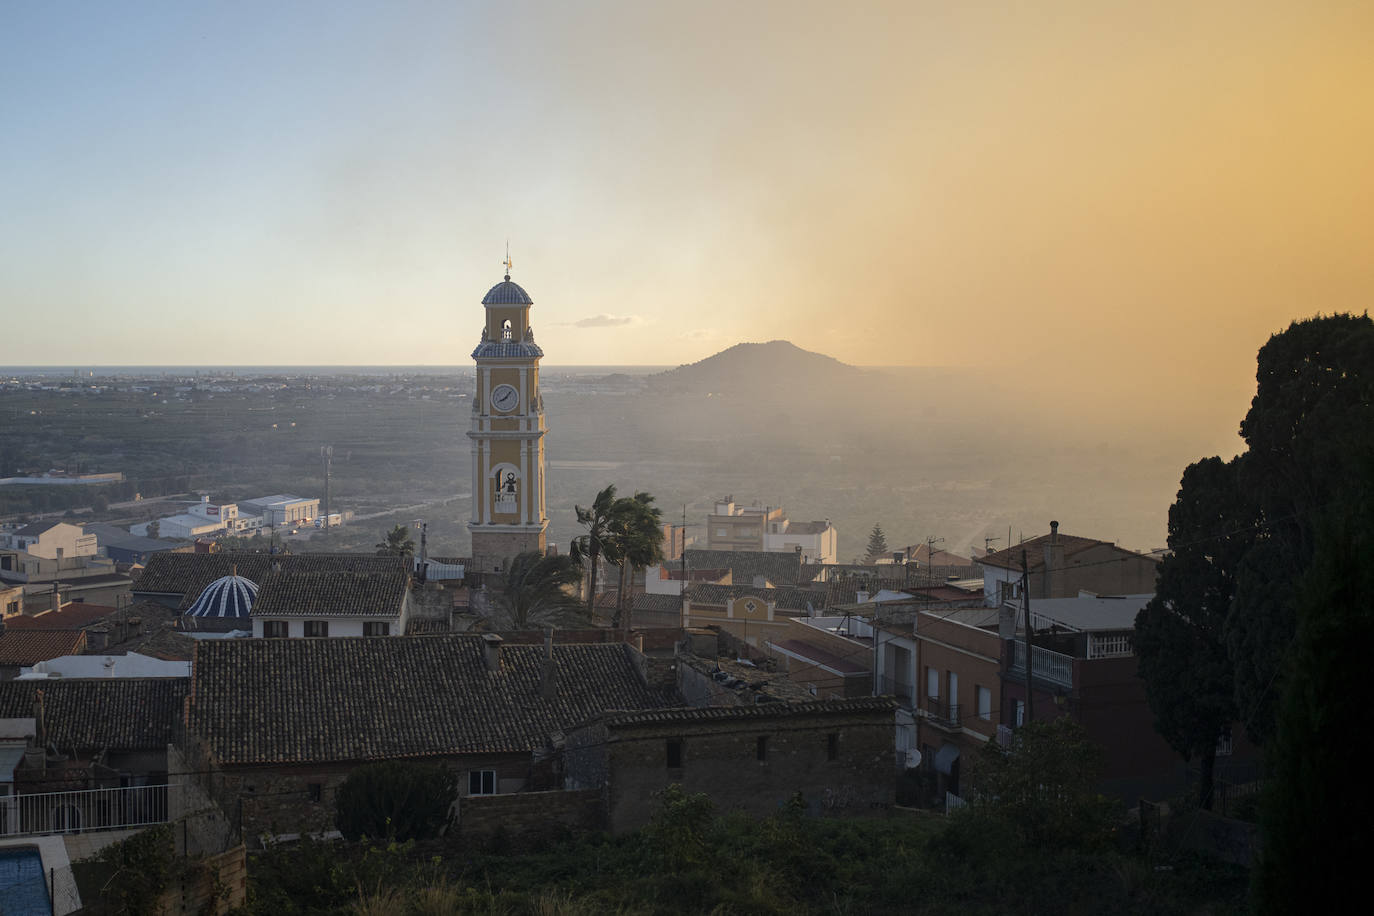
[507, 261]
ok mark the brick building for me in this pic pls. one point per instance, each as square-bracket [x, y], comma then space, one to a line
[837, 754]
[1062, 565]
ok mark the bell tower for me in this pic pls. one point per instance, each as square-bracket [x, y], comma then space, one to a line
[507, 433]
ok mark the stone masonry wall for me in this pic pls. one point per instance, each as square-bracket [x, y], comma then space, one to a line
[721, 759]
[528, 815]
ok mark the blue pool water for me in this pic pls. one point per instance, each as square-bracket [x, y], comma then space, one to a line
[23, 887]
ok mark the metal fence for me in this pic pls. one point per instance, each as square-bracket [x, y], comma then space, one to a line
[83, 810]
[1054, 667]
[941, 712]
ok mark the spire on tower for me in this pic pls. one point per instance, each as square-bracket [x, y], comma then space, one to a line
[507, 261]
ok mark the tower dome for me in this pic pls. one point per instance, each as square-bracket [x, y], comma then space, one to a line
[507, 293]
[229, 596]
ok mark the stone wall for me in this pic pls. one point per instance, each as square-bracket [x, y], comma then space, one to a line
[276, 801]
[722, 759]
[528, 815]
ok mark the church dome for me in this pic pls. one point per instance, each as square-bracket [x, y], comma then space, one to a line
[507, 293]
[230, 596]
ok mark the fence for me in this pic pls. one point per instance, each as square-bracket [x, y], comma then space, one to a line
[1110, 645]
[1054, 667]
[83, 810]
[942, 713]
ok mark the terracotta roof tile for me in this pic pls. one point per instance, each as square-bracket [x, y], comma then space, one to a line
[187, 574]
[319, 700]
[99, 713]
[29, 647]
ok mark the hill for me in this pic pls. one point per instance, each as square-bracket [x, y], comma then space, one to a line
[748, 368]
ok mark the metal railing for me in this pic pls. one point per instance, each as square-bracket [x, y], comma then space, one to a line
[83, 810]
[1110, 645]
[942, 713]
[1054, 667]
[902, 691]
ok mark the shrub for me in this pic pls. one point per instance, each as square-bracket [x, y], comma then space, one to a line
[395, 800]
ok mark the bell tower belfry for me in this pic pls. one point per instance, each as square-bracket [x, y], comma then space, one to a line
[507, 433]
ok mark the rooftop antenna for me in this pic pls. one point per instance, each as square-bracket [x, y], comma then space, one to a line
[507, 261]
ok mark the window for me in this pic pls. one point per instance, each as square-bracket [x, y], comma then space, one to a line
[761, 748]
[376, 628]
[674, 753]
[314, 791]
[274, 629]
[953, 698]
[317, 628]
[933, 683]
[481, 782]
[1019, 716]
[984, 703]
[832, 746]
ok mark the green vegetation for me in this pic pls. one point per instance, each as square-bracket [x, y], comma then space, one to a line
[395, 800]
[588, 548]
[534, 591]
[397, 543]
[637, 530]
[877, 545]
[691, 860]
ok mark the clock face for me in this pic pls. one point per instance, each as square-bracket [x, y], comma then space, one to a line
[504, 397]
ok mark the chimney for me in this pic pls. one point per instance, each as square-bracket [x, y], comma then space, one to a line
[56, 598]
[1054, 561]
[548, 674]
[862, 596]
[491, 651]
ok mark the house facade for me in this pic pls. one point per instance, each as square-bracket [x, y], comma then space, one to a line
[835, 755]
[1063, 565]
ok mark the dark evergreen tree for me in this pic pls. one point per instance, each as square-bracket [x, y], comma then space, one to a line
[877, 545]
[1309, 430]
[1316, 810]
[1180, 635]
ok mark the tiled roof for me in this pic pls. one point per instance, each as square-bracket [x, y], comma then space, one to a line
[34, 529]
[319, 700]
[507, 293]
[778, 567]
[688, 715]
[74, 616]
[507, 349]
[1010, 558]
[662, 604]
[96, 713]
[29, 647]
[786, 599]
[187, 574]
[331, 594]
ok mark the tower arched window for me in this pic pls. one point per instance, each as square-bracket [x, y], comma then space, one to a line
[505, 330]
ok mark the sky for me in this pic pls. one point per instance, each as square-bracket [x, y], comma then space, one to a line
[1113, 201]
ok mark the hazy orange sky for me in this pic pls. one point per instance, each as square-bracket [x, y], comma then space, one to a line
[1135, 195]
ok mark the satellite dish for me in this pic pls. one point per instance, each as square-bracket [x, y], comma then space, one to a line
[913, 759]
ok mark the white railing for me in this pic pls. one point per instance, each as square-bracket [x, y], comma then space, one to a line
[1054, 667]
[1004, 736]
[1110, 645]
[953, 802]
[83, 810]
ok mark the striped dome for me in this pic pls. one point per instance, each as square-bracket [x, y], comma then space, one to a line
[231, 596]
[507, 293]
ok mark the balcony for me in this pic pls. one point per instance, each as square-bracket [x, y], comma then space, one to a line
[945, 715]
[1051, 667]
[81, 811]
[903, 692]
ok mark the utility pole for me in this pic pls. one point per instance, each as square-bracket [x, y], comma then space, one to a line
[930, 565]
[1025, 603]
[327, 455]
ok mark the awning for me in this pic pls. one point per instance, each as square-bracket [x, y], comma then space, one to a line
[946, 757]
[10, 755]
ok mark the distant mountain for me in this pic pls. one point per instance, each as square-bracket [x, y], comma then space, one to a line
[754, 367]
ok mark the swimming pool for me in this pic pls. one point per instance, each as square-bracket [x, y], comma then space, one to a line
[23, 886]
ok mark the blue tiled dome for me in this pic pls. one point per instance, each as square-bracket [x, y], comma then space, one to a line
[231, 596]
[507, 293]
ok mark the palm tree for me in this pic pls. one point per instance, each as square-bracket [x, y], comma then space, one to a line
[397, 543]
[534, 590]
[597, 542]
[637, 531]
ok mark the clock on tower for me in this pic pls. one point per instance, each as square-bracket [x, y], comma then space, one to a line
[507, 433]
